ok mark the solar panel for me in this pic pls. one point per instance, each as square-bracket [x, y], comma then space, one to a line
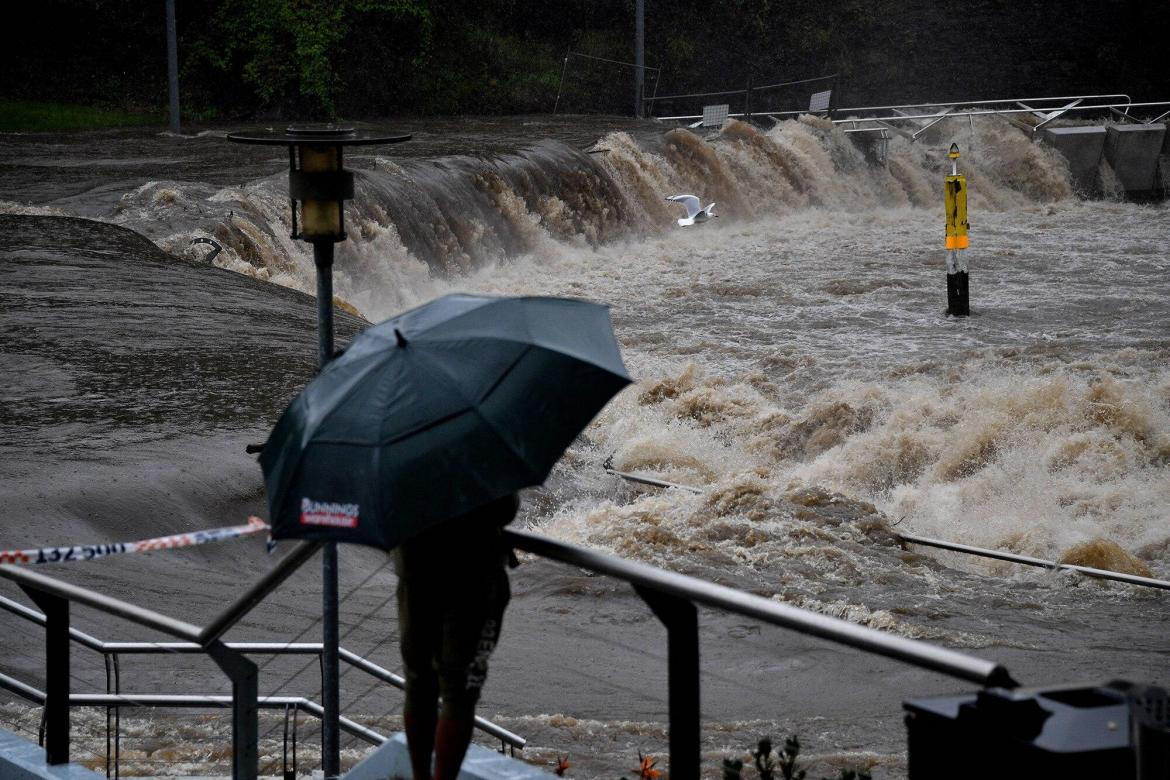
[715, 116]
[819, 101]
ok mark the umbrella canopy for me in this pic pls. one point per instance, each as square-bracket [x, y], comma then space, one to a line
[434, 412]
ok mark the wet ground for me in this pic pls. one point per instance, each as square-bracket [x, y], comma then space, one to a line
[797, 365]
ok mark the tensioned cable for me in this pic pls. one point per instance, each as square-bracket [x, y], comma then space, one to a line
[349, 630]
[281, 687]
[348, 669]
[378, 645]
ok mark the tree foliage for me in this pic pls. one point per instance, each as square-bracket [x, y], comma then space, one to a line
[354, 58]
[287, 50]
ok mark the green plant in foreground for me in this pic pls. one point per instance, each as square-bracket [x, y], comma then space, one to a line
[854, 774]
[785, 762]
[732, 769]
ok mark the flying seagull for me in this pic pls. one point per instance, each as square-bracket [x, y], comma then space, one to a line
[695, 212]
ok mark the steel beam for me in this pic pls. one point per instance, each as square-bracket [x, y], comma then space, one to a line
[56, 714]
[682, 630]
[245, 712]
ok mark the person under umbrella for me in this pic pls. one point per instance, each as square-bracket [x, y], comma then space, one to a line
[452, 591]
[416, 439]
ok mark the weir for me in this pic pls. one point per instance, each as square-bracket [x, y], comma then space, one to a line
[1131, 145]
[478, 211]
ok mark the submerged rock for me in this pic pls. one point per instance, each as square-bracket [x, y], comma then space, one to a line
[1104, 554]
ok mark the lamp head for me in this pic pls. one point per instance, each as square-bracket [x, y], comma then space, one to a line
[317, 179]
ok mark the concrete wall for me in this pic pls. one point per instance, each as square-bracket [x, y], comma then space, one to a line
[1082, 147]
[1132, 151]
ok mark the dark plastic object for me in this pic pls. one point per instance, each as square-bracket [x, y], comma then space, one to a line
[1119, 731]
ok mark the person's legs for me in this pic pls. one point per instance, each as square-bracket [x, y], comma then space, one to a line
[420, 632]
[470, 633]
[451, 740]
[420, 726]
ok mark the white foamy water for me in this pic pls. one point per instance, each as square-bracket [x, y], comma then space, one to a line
[793, 359]
[800, 338]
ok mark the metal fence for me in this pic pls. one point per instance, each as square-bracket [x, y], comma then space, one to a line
[54, 597]
[672, 597]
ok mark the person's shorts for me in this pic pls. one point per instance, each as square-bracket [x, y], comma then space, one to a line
[449, 627]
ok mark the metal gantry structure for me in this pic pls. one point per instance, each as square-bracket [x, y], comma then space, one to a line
[912, 120]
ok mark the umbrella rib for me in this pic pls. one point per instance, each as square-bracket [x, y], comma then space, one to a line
[503, 440]
[504, 374]
[430, 364]
[491, 425]
[474, 405]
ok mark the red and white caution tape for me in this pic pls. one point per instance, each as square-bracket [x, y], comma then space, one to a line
[88, 552]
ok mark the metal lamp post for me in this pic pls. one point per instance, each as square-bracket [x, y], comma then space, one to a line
[319, 183]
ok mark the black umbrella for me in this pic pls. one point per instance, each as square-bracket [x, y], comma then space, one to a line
[435, 412]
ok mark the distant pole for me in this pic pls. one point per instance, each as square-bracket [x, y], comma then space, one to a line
[639, 55]
[955, 200]
[173, 66]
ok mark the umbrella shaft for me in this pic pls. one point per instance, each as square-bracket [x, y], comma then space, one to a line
[323, 259]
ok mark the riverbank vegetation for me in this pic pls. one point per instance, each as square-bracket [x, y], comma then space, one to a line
[273, 59]
[44, 116]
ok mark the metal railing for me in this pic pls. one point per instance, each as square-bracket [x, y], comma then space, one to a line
[751, 92]
[674, 598]
[923, 541]
[54, 596]
[905, 118]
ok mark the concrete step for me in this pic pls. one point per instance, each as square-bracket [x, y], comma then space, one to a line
[391, 760]
[21, 759]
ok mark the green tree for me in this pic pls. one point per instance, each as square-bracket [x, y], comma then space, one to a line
[287, 50]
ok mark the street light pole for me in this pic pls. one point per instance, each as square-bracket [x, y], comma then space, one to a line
[639, 56]
[330, 632]
[319, 185]
[173, 67]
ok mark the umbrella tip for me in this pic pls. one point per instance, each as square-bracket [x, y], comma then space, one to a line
[401, 339]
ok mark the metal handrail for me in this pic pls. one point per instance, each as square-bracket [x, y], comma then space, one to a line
[505, 736]
[16, 608]
[982, 112]
[959, 114]
[111, 606]
[1027, 560]
[132, 700]
[196, 701]
[54, 597]
[978, 112]
[35, 695]
[1128, 99]
[255, 594]
[911, 651]
[674, 599]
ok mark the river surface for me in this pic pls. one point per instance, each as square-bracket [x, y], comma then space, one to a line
[792, 358]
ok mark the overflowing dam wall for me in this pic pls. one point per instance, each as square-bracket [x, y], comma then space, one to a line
[1136, 157]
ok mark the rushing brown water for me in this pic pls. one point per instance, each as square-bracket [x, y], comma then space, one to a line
[793, 360]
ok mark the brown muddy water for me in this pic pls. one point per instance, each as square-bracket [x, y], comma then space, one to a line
[792, 358]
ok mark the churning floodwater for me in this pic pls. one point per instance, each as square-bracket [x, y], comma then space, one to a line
[792, 359]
